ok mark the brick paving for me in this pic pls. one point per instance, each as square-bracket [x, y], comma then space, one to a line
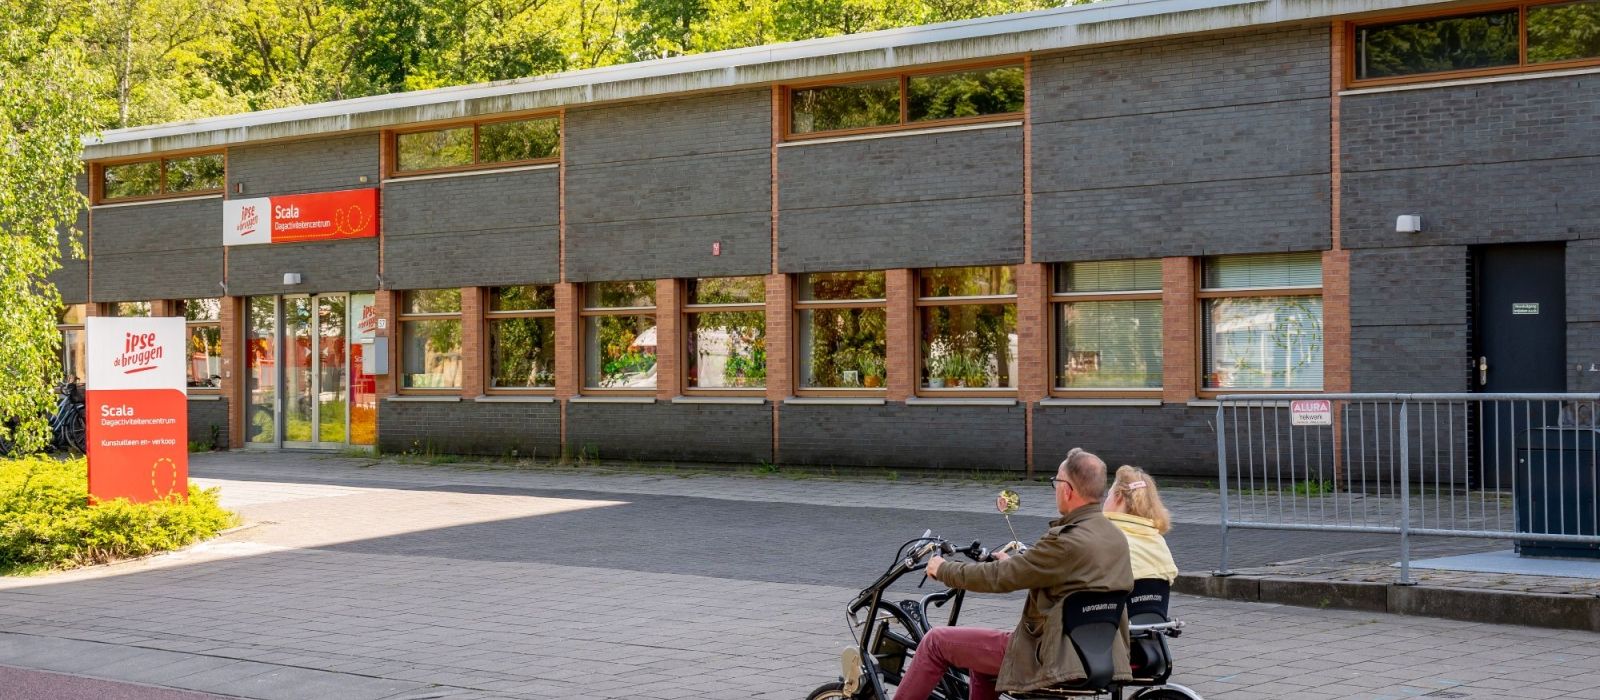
[382, 580]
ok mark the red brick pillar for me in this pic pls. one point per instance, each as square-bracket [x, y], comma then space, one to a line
[901, 328]
[1336, 321]
[780, 339]
[384, 303]
[669, 339]
[569, 365]
[1033, 332]
[235, 367]
[473, 357]
[1179, 330]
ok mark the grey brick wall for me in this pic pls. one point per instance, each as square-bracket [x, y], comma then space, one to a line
[471, 230]
[294, 167]
[1583, 314]
[1171, 439]
[1488, 163]
[650, 187]
[205, 414]
[1215, 144]
[531, 430]
[904, 437]
[668, 432]
[165, 250]
[920, 200]
[72, 280]
[323, 267]
[1409, 319]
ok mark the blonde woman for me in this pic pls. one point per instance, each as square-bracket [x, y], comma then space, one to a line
[1134, 506]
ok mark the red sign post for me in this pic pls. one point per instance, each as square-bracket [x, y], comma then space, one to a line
[138, 408]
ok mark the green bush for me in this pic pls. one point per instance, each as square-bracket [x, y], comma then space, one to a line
[46, 520]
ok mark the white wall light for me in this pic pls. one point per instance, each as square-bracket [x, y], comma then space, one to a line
[1408, 223]
[291, 278]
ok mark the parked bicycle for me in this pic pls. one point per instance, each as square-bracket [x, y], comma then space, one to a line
[68, 429]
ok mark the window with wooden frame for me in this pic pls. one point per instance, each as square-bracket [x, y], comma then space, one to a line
[725, 328]
[967, 330]
[203, 362]
[913, 99]
[160, 178]
[520, 332]
[619, 337]
[430, 340]
[1499, 39]
[131, 309]
[73, 349]
[1108, 327]
[1261, 318]
[476, 145]
[842, 333]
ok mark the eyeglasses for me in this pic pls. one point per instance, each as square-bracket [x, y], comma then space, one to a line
[1058, 481]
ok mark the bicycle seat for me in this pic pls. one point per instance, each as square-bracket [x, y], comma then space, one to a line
[1091, 623]
[1148, 653]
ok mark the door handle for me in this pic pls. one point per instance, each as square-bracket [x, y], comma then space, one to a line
[1483, 371]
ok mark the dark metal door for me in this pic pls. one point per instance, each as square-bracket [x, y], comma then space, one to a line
[1520, 343]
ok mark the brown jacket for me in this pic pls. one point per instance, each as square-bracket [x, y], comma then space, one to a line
[1083, 551]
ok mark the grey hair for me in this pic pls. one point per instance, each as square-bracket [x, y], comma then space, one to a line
[1086, 472]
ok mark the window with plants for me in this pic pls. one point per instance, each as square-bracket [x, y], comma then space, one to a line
[842, 338]
[1108, 325]
[520, 328]
[430, 339]
[484, 144]
[619, 336]
[725, 323]
[73, 360]
[204, 363]
[1262, 318]
[163, 177]
[131, 309]
[967, 326]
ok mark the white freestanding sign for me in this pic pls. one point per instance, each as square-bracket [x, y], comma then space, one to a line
[137, 405]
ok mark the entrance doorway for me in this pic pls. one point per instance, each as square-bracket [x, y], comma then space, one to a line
[1519, 342]
[305, 381]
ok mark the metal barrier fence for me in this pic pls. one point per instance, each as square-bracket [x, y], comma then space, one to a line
[1500, 466]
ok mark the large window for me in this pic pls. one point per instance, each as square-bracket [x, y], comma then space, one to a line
[204, 365]
[131, 309]
[73, 359]
[619, 335]
[1108, 325]
[483, 144]
[1262, 317]
[1495, 41]
[521, 332]
[967, 325]
[907, 99]
[843, 339]
[725, 323]
[163, 177]
[430, 339]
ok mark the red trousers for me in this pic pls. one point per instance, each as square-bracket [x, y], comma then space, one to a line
[975, 649]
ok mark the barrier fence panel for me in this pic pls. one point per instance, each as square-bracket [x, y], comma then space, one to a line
[1501, 466]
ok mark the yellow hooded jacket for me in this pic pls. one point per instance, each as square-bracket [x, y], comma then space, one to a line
[1147, 549]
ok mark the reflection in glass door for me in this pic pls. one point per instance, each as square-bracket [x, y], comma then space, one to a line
[333, 362]
[261, 355]
[301, 344]
[299, 366]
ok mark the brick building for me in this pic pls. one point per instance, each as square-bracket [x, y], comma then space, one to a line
[960, 246]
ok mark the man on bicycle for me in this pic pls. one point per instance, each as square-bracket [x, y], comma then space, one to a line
[1082, 551]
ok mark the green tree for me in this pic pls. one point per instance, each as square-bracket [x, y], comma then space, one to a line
[42, 121]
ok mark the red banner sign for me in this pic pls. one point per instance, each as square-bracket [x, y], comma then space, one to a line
[138, 408]
[295, 218]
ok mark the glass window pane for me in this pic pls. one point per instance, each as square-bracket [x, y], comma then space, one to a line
[431, 353]
[842, 286]
[528, 139]
[432, 301]
[204, 366]
[73, 359]
[1110, 276]
[523, 298]
[73, 314]
[727, 349]
[1483, 40]
[619, 352]
[843, 348]
[1109, 345]
[1564, 32]
[619, 295]
[967, 282]
[195, 173]
[853, 106]
[131, 180]
[522, 352]
[969, 346]
[202, 309]
[1263, 343]
[131, 309]
[965, 94]
[261, 344]
[425, 150]
[727, 290]
[1263, 271]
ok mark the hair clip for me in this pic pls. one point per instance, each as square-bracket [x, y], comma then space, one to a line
[1136, 485]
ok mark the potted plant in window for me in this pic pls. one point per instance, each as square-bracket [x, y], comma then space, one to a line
[976, 372]
[955, 368]
[871, 371]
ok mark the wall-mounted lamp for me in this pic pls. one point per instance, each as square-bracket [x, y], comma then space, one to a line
[291, 278]
[1408, 223]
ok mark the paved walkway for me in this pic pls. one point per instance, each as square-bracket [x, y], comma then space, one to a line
[403, 582]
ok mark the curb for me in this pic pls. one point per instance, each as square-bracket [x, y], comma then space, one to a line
[1548, 610]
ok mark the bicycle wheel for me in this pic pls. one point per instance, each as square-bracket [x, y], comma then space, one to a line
[76, 430]
[829, 691]
[1167, 693]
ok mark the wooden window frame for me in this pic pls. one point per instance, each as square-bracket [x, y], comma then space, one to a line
[97, 183]
[787, 102]
[921, 302]
[689, 309]
[486, 361]
[1058, 299]
[1352, 46]
[797, 306]
[1204, 294]
[400, 349]
[586, 312]
[182, 310]
[62, 329]
[391, 145]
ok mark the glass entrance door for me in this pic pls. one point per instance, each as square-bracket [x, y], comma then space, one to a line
[305, 381]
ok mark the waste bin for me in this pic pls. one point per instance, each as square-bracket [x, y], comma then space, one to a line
[1555, 490]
